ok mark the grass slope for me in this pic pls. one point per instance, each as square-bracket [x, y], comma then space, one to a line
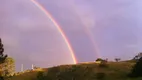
[84, 71]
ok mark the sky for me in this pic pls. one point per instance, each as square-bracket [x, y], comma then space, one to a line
[109, 28]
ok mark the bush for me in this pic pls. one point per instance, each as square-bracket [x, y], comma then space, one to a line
[100, 76]
[99, 59]
[137, 69]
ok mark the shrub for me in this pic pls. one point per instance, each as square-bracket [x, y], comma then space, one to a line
[117, 59]
[137, 69]
[99, 59]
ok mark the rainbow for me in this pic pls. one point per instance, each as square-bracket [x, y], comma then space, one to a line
[58, 27]
[89, 33]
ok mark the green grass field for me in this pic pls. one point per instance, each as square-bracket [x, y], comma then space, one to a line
[84, 71]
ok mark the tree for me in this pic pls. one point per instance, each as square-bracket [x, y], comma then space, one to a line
[117, 59]
[99, 59]
[8, 67]
[2, 56]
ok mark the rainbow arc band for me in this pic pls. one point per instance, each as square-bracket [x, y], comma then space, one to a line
[58, 27]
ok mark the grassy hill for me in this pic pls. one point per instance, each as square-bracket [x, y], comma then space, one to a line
[83, 71]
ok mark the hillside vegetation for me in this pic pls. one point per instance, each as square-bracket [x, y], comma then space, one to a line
[84, 71]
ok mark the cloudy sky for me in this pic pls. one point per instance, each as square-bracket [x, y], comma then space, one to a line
[108, 28]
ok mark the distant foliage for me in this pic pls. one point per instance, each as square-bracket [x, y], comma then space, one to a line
[18, 73]
[99, 59]
[29, 70]
[35, 67]
[137, 69]
[117, 59]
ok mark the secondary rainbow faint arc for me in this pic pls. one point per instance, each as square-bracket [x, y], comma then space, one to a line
[58, 27]
[90, 34]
